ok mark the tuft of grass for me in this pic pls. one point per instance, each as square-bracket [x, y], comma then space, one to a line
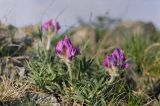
[135, 46]
[152, 60]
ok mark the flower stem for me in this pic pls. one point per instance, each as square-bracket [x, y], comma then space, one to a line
[69, 70]
[49, 38]
[48, 43]
[111, 79]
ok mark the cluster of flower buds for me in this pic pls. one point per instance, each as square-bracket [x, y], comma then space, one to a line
[65, 49]
[51, 27]
[115, 62]
[116, 59]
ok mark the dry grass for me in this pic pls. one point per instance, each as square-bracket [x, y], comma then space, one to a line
[10, 91]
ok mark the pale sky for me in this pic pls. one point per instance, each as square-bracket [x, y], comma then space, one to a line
[24, 12]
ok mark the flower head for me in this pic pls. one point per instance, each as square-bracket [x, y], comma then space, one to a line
[116, 59]
[120, 59]
[65, 49]
[51, 25]
[115, 63]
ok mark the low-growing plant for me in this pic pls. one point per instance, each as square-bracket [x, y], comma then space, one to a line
[80, 81]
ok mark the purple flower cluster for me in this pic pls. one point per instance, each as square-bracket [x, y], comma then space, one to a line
[66, 50]
[51, 25]
[116, 59]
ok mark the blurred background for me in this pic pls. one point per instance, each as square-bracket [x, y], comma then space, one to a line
[68, 12]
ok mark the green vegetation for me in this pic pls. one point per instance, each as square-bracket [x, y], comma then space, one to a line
[34, 75]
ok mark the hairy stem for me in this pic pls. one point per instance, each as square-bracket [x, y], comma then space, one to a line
[111, 79]
[69, 70]
[48, 43]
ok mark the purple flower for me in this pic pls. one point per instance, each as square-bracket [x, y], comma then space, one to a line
[51, 25]
[116, 59]
[66, 50]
